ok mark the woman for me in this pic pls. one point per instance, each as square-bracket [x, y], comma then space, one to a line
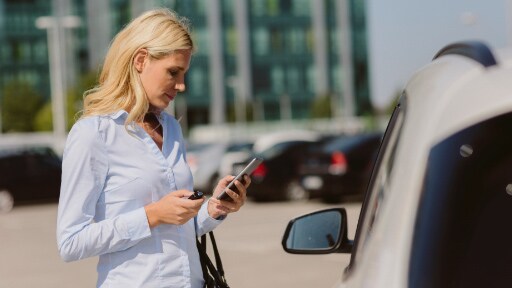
[125, 180]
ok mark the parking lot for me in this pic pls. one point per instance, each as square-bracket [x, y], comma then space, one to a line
[249, 242]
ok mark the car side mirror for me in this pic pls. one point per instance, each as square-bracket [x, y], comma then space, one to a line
[320, 232]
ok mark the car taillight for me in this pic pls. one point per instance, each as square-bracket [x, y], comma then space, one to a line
[260, 171]
[338, 163]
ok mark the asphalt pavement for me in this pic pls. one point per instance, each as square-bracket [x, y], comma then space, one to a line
[249, 242]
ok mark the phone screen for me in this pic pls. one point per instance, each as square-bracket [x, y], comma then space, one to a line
[246, 171]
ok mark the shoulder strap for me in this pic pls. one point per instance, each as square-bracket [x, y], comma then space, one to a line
[202, 260]
[217, 255]
[207, 265]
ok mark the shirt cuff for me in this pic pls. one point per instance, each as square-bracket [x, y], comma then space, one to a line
[204, 217]
[137, 224]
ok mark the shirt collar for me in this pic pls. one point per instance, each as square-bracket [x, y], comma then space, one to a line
[124, 113]
[118, 114]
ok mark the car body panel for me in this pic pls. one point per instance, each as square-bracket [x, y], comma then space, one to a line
[330, 182]
[281, 164]
[30, 174]
[450, 94]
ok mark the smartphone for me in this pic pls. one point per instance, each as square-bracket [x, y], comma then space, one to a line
[246, 171]
[196, 195]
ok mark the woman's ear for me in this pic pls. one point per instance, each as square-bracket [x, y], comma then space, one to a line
[140, 59]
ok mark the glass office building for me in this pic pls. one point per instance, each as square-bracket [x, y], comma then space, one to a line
[274, 57]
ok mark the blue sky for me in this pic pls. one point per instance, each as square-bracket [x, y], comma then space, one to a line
[404, 35]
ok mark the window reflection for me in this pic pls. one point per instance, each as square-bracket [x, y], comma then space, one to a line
[316, 231]
[461, 232]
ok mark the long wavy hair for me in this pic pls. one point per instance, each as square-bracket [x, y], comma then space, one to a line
[160, 32]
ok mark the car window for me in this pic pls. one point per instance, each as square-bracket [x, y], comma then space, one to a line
[462, 235]
[237, 147]
[341, 143]
[378, 186]
[279, 148]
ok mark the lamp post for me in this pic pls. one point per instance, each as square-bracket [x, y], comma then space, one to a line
[53, 25]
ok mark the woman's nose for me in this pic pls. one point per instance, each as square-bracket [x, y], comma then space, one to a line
[180, 87]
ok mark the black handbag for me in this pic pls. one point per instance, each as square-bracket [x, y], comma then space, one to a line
[213, 274]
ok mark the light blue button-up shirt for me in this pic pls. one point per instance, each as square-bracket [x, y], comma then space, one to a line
[108, 175]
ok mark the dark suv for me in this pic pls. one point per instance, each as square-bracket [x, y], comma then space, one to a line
[28, 174]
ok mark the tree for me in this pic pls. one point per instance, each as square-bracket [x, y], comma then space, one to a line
[43, 120]
[19, 107]
[321, 107]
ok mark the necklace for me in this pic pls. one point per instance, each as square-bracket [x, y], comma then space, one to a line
[151, 118]
[156, 127]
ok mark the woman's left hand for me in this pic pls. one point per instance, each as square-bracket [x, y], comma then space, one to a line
[217, 208]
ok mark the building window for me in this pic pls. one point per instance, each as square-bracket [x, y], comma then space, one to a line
[311, 79]
[261, 78]
[227, 6]
[336, 78]
[309, 40]
[276, 40]
[40, 52]
[231, 41]
[197, 82]
[26, 52]
[258, 7]
[333, 40]
[200, 37]
[297, 40]
[301, 8]
[261, 41]
[278, 81]
[293, 78]
[200, 7]
[6, 53]
[272, 7]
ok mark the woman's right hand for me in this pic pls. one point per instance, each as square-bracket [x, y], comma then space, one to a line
[173, 208]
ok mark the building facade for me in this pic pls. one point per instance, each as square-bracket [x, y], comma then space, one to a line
[276, 58]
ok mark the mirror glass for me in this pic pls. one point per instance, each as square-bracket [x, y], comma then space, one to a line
[317, 231]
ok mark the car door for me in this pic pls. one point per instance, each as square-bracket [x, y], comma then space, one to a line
[43, 168]
[378, 186]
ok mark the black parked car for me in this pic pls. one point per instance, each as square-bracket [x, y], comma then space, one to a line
[277, 178]
[340, 167]
[28, 175]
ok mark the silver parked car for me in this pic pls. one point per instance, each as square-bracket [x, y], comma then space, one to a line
[437, 209]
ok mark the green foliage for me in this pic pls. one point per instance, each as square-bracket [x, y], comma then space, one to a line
[43, 120]
[75, 97]
[231, 113]
[321, 107]
[20, 104]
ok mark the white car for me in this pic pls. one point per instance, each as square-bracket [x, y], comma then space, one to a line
[438, 207]
[204, 160]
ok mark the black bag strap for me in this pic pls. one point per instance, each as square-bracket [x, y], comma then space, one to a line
[207, 265]
[218, 261]
[204, 268]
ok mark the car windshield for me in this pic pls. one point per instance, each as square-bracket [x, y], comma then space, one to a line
[346, 142]
[279, 148]
[462, 236]
[237, 147]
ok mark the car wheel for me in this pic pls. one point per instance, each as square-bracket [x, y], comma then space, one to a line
[295, 192]
[6, 201]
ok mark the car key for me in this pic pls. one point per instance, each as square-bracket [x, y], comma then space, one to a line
[196, 195]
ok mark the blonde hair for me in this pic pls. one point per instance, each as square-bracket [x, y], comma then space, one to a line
[160, 32]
